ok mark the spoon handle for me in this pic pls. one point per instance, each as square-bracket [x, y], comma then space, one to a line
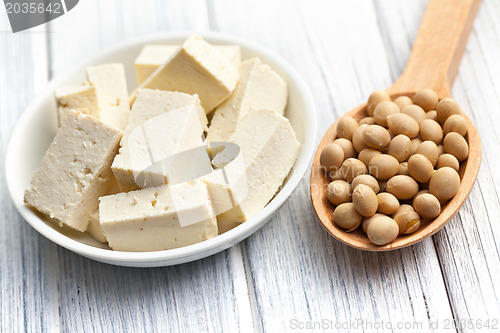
[438, 48]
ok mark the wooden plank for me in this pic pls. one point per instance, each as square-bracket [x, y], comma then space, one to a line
[186, 298]
[190, 297]
[303, 275]
[28, 262]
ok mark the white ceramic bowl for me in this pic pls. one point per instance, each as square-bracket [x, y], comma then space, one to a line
[37, 126]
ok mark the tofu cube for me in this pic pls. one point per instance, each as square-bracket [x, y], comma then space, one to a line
[162, 123]
[158, 218]
[269, 149]
[259, 87]
[227, 186]
[112, 95]
[94, 228]
[152, 56]
[246, 180]
[197, 68]
[81, 98]
[75, 170]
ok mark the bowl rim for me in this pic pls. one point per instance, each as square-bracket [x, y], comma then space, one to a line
[190, 252]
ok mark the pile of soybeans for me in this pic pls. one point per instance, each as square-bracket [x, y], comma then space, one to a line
[393, 170]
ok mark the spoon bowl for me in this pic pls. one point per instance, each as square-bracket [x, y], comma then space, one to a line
[324, 209]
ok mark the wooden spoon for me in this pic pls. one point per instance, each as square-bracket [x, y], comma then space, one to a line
[433, 64]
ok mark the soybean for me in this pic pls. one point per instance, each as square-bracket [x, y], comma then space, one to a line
[357, 138]
[445, 108]
[431, 130]
[346, 127]
[367, 154]
[331, 157]
[387, 203]
[420, 168]
[456, 145]
[376, 137]
[338, 192]
[426, 98]
[383, 166]
[351, 168]
[455, 123]
[367, 121]
[383, 111]
[430, 150]
[382, 230]
[403, 208]
[366, 180]
[432, 115]
[427, 206]
[367, 220]
[403, 168]
[408, 221]
[448, 160]
[364, 200]
[419, 193]
[416, 112]
[403, 101]
[375, 98]
[401, 123]
[347, 217]
[399, 147]
[347, 147]
[444, 183]
[414, 144]
[402, 187]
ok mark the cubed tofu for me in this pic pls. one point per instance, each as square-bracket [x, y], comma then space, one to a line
[227, 186]
[111, 87]
[197, 68]
[81, 98]
[162, 123]
[152, 56]
[158, 218]
[259, 87]
[269, 148]
[94, 228]
[244, 181]
[75, 170]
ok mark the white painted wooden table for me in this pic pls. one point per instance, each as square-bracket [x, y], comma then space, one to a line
[290, 274]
